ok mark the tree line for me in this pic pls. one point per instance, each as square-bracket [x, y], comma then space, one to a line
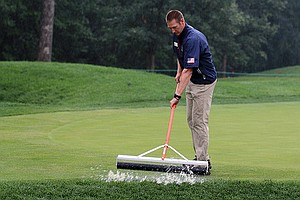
[245, 36]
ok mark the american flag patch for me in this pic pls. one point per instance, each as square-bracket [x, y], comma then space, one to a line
[190, 60]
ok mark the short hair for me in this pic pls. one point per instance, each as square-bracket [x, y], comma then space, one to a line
[174, 14]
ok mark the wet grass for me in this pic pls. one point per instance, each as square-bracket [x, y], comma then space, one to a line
[89, 114]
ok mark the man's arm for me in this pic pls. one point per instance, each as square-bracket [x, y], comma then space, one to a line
[185, 77]
[179, 71]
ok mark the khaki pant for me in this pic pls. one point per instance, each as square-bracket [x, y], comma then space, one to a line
[198, 99]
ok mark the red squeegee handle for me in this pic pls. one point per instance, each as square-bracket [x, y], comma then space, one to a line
[168, 133]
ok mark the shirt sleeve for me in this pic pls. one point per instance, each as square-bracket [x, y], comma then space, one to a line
[191, 53]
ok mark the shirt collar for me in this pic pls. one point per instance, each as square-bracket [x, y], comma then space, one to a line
[184, 31]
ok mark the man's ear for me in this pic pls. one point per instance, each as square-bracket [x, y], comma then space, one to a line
[181, 20]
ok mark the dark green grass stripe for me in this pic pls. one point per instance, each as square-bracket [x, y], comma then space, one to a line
[91, 189]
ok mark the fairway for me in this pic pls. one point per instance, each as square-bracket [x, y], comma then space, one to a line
[247, 141]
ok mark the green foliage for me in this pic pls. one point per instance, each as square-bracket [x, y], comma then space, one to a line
[245, 36]
[19, 27]
[257, 30]
[284, 48]
[73, 36]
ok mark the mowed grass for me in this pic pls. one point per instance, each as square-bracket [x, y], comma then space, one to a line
[62, 126]
[286, 71]
[248, 142]
[34, 87]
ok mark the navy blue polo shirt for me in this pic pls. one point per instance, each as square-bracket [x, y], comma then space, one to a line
[192, 50]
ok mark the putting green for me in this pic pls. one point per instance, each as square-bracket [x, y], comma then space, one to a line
[247, 141]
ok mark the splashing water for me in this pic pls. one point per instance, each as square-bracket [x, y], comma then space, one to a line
[160, 178]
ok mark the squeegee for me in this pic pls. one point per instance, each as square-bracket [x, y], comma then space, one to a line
[163, 164]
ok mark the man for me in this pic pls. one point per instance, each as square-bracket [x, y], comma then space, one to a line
[197, 74]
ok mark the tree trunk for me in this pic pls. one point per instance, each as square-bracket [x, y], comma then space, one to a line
[152, 62]
[224, 64]
[45, 43]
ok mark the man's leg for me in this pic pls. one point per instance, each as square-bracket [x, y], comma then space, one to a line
[189, 111]
[199, 98]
